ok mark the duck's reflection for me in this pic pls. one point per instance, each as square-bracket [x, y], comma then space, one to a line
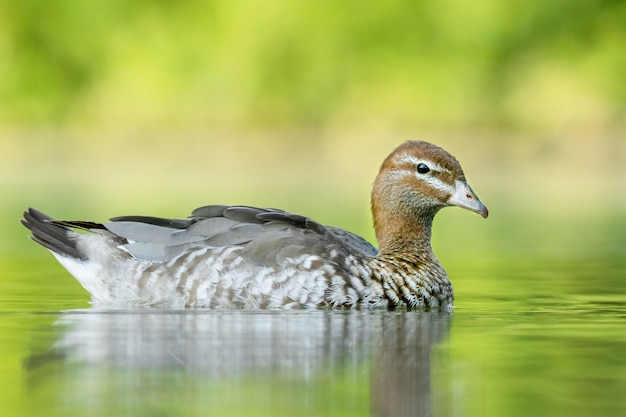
[320, 361]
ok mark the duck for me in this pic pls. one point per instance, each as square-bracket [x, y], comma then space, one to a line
[243, 257]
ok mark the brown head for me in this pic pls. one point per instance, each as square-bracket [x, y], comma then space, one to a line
[415, 181]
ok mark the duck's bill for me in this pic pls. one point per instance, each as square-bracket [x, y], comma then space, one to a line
[465, 197]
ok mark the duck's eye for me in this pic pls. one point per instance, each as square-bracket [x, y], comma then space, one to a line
[422, 168]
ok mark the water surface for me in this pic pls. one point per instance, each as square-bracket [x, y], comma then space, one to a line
[539, 328]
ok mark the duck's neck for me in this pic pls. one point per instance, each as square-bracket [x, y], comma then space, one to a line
[401, 231]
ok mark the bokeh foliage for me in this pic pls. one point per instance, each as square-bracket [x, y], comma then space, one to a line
[195, 63]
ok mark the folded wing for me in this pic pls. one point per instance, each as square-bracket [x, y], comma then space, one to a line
[265, 235]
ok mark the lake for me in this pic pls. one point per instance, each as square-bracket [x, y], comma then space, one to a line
[539, 328]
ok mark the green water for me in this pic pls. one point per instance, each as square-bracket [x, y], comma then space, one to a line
[539, 328]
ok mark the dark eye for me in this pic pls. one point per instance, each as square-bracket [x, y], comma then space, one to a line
[423, 168]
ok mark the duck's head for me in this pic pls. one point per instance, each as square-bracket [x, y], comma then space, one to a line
[415, 181]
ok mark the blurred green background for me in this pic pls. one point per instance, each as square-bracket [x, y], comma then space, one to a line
[553, 66]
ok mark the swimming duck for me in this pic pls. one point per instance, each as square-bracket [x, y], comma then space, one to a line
[247, 257]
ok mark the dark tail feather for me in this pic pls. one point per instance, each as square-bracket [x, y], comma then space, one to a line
[51, 234]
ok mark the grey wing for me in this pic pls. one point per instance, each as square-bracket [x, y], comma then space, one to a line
[157, 239]
[266, 235]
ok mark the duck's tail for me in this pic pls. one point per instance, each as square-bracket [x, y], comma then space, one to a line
[55, 235]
